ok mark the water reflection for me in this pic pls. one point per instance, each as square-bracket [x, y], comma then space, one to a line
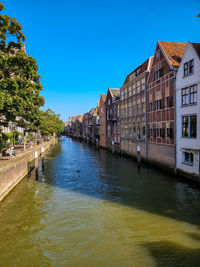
[89, 208]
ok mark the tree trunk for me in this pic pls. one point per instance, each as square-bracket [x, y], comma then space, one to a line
[24, 141]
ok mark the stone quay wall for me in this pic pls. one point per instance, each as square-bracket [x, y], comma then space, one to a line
[17, 168]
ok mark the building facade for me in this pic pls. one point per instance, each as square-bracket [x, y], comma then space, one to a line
[188, 112]
[112, 119]
[133, 110]
[102, 121]
[160, 103]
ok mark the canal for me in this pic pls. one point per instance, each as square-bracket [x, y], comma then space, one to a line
[86, 207]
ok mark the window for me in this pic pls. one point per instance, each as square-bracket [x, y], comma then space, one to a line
[170, 132]
[193, 126]
[150, 132]
[158, 104]
[125, 93]
[188, 68]
[108, 101]
[133, 89]
[185, 127]
[158, 74]
[160, 132]
[108, 130]
[150, 107]
[169, 101]
[189, 126]
[138, 131]
[107, 114]
[133, 130]
[143, 107]
[188, 158]
[129, 91]
[129, 132]
[143, 131]
[185, 97]
[189, 95]
[122, 95]
[193, 94]
[133, 107]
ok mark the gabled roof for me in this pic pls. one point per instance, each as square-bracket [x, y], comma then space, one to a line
[78, 117]
[103, 97]
[95, 111]
[114, 91]
[146, 66]
[196, 48]
[173, 51]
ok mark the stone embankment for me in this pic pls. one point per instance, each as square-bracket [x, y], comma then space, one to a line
[13, 170]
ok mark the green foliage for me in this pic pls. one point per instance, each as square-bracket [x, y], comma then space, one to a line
[12, 30]
[7, 136]
[19, 80]
[30, 137]
[51, 123]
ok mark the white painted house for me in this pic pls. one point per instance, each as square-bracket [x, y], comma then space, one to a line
[188, 112]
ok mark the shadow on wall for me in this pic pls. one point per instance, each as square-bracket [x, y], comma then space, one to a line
[168, 254]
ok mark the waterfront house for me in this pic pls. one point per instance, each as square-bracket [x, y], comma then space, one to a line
[188, 112]
[102, 118]
[133, 110]
[95, 125]
[78, 126]
[112, 106]
[85, 126]
[160, 103]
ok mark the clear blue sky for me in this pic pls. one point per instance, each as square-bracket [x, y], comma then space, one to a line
[84, 47]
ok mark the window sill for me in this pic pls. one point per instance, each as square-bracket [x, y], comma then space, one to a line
[188, 75]
[187, 137]
[187, 163]
[188, 105]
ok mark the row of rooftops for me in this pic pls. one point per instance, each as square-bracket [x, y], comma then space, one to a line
[173, 52]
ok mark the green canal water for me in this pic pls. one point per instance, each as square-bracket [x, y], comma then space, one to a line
[86, 207]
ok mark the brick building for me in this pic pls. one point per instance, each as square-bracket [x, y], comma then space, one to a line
[133, 110]
[112, 109]
[160, 102]
[102, 118]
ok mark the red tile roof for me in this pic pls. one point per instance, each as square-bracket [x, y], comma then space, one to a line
[173, 51]
[140, 69]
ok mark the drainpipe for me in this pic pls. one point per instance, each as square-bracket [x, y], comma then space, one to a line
[175, 121]
[146, 134]
[199, 164]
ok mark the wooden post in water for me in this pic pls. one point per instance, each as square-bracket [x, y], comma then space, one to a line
[113, 148]
[97, 143]
[42, 150]
[138, 155]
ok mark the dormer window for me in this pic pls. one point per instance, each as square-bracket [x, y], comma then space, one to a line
[188, 68]
[137, 72]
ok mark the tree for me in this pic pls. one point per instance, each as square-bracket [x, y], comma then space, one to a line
[20, 86]
[51, 123]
